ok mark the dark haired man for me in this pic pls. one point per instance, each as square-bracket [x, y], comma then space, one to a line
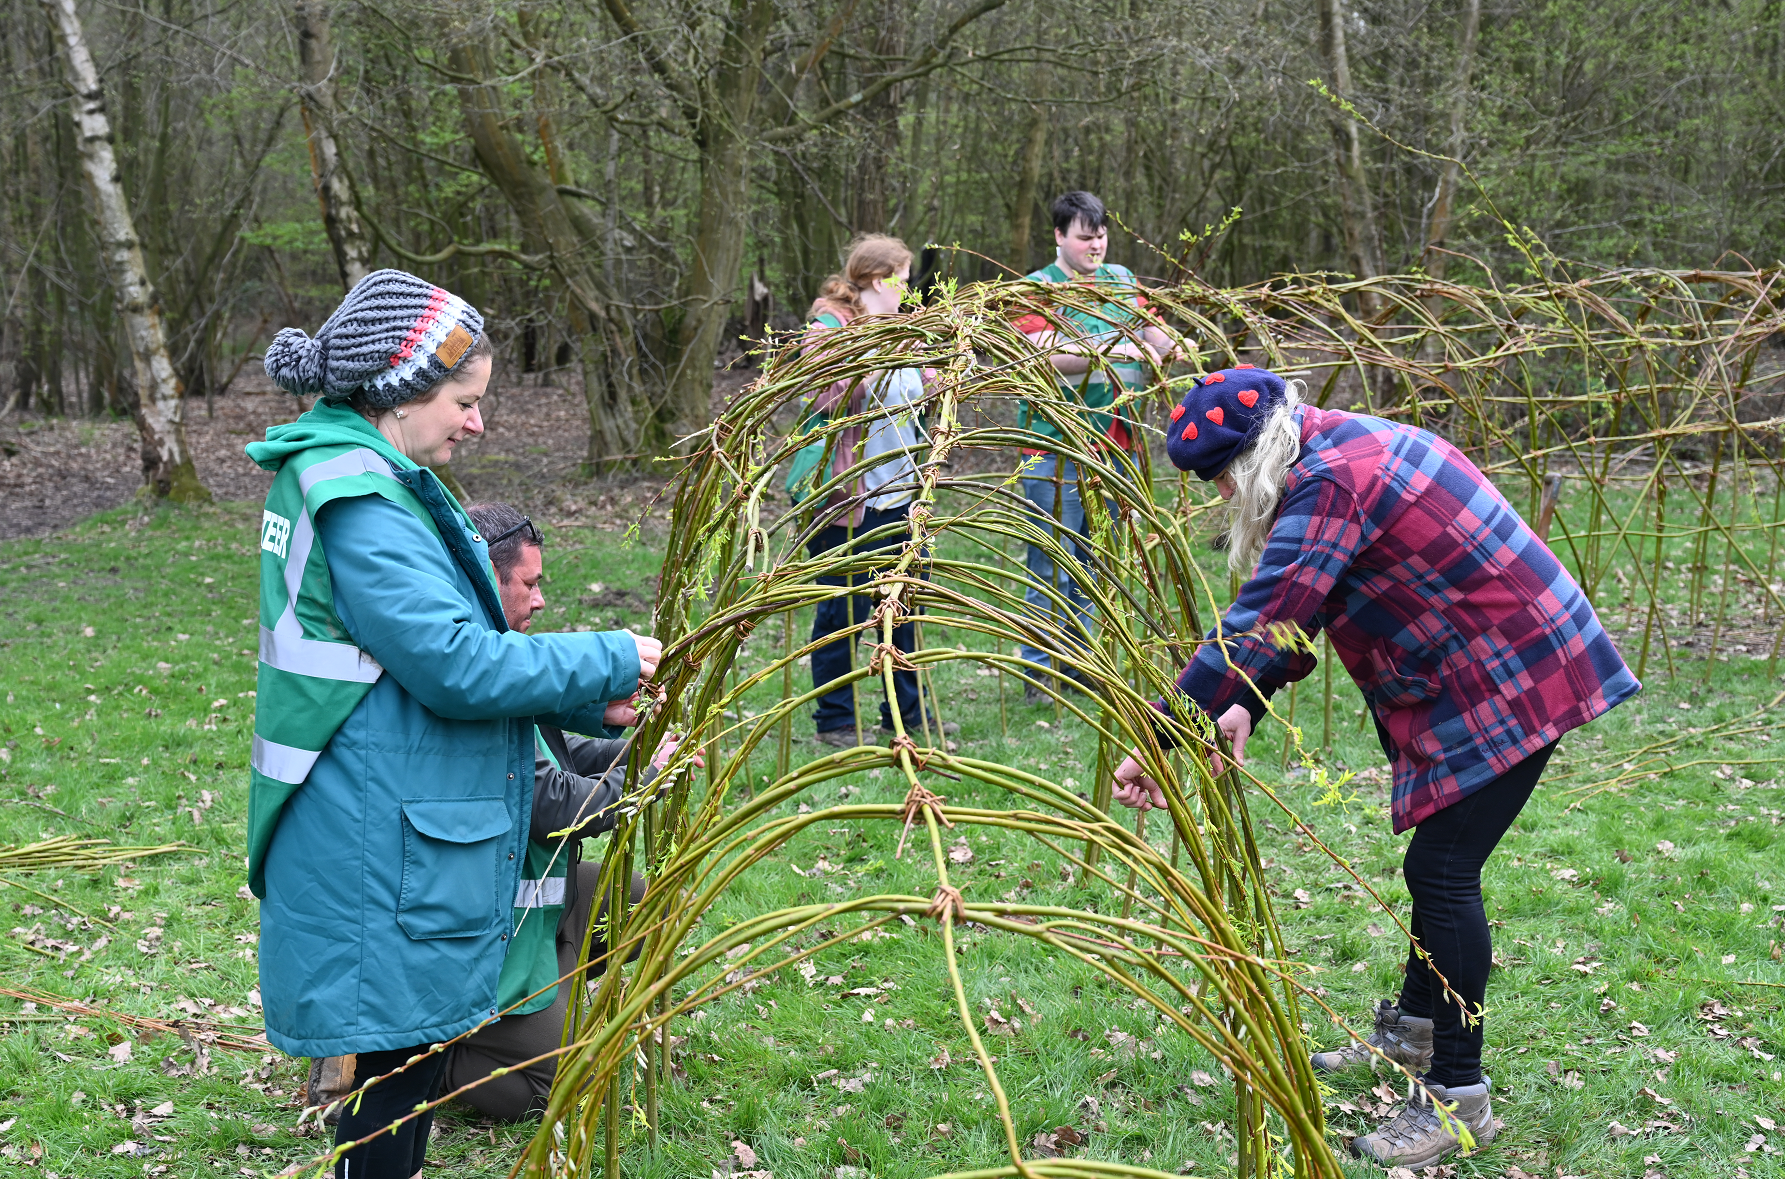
[576, 783]
[1099, 351]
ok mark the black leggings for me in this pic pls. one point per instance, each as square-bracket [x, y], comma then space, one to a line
[1443, 872]
[399, 1153]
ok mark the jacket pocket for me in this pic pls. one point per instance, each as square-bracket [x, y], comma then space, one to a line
[452, 857]
[1393, 686]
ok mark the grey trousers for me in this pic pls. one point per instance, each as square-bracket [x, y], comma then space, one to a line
[514, 1038]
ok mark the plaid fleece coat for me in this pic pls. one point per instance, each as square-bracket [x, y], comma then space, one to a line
[1470, 641]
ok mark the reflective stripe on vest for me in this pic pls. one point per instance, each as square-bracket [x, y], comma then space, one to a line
[282, 763]
[539, 894]
[284, 646]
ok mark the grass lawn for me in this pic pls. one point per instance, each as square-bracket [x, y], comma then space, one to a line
[1621, 1038]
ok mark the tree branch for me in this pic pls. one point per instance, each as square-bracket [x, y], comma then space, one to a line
[813, 185]
[823, 47]
[530, 261]
[685, 92]
[932, 58]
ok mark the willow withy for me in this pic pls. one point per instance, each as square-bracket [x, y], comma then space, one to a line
[1613, 383]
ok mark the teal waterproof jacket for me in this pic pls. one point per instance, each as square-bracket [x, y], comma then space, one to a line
[391, 871]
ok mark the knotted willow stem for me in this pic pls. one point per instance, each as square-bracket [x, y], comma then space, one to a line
[1613, 380]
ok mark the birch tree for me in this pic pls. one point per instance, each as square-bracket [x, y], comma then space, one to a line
[167, 463]
[334, 187]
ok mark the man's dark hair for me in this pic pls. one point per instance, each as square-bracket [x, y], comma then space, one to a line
[493, 520]
[1079, 206]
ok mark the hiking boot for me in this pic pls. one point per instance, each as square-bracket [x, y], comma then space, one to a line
[838, 738]
[330, 1079]
[1405, 1040]
[1416, 1137]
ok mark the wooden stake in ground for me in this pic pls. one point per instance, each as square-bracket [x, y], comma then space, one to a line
[1326, 689]
[167, 463]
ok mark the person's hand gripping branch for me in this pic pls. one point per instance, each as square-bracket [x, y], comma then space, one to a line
[1137, 788]
[624, 713]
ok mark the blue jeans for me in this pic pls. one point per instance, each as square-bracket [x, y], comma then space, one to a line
[836, 709]
[1038, 489]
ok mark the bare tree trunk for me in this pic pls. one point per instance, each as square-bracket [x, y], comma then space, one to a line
[880, 117]
[1022, 214]
[719, 103]
[334, 187]
[1450, 180]
[167, 463]
[1363, 236]
[606, 346]
[723, 133]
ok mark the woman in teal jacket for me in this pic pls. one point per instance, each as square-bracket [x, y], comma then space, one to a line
[393, 756]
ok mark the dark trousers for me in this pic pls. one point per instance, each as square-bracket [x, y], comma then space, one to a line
[401, 1152]
[1443, 872]
[836, 709]
[513, 1038]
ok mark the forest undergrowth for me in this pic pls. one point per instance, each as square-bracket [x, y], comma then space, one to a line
[1634, 1024]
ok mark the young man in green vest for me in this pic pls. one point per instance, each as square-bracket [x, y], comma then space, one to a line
[1100, 350]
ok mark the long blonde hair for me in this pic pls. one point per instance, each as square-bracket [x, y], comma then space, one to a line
[872, 256]
[1258, 477]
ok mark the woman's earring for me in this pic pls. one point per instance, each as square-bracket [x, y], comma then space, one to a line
[400, 413]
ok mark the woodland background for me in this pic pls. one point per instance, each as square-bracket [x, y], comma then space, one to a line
[627, 188]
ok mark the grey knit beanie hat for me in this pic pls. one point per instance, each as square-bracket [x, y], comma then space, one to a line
[394, 337]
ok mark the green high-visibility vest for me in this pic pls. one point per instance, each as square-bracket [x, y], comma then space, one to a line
[1103, 324]
[532, 961]
[312, 675]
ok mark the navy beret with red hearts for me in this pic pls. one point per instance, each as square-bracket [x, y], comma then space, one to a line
[1220, 417]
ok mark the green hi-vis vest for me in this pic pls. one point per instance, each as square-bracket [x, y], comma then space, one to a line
[532, 960]
[1103, 324]
[312, 676]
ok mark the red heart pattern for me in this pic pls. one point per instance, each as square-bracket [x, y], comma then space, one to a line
[1177, 411]
[1214, 378]
[1189, 430]
[1245, 366]
[1215, 415]
[1248, 397]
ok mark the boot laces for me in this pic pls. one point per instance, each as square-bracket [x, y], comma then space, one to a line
[1414, 1121]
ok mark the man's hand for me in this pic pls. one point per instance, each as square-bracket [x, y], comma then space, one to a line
[621, 714]
[667, 750]
[1135, 787]
[1167, 346]
[650, 654]
[1236, 725]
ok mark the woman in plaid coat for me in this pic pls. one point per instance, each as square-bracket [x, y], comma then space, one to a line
[1474, 648]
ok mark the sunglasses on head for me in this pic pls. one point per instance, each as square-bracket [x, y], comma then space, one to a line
[526, 523]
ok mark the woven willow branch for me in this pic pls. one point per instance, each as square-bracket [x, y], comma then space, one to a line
[1587, 377]
[1604, 380]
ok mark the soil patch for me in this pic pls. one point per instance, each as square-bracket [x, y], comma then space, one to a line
[55, 471]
